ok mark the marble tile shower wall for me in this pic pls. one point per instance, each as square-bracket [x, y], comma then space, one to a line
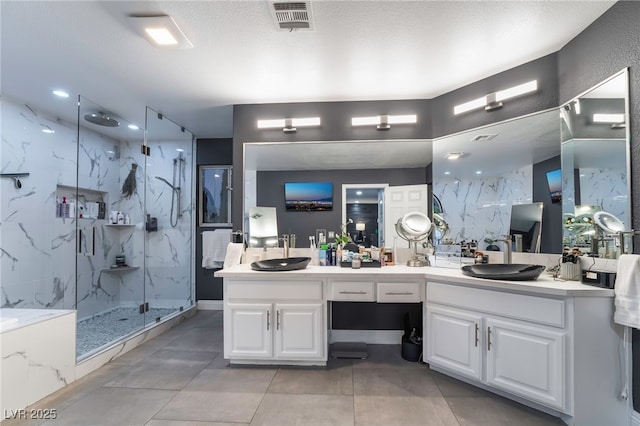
[480, 208]
[607, 189]
[39, 250]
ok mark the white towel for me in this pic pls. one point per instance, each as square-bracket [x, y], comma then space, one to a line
[627, 290]
[214, 247]
[234, 254]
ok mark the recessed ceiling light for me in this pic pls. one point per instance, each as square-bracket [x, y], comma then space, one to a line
[133, 127]
[60, 93]
[479, 172]
[447, 173]
[453, 155]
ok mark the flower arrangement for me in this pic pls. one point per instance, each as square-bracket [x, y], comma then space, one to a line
[343, 237]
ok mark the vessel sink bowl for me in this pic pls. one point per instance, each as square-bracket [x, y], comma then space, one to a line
[283, 264]
[501, 271]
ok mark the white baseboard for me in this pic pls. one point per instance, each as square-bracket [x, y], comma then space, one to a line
[210, 305]
[373, 337]
[635, 418]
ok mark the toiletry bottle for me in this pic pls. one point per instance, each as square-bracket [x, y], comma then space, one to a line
[120, 218]
[65, 208]
[322, 256]
[72, 209]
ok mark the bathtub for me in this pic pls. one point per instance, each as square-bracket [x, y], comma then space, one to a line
[38, 355]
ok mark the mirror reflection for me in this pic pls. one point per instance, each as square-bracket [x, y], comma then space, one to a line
[263, 227]
[595, 167]
[526, 227]
[479, 175]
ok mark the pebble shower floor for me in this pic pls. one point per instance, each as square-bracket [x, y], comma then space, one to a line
[109, 326]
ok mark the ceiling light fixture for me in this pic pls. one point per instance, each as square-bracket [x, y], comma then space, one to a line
[384, 122]
[289, 125]
[576, 104]
[453, 155]
[133, 127]
[60, 93]
[162, 31]
[493, 101]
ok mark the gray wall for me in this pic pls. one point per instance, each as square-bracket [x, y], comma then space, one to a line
[551, 213]
[270, 193]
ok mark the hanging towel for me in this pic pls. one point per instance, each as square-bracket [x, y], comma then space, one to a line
[214, 248]
[234, 254]
[627, 290]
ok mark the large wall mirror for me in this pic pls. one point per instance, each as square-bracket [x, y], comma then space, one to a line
[595, 168]
[478, 175]
[267, 166]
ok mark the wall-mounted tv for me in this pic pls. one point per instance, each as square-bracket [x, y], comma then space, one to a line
[554, 179]
[308, 196]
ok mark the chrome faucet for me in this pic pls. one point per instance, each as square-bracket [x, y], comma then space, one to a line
[285, 245]
[507, 249]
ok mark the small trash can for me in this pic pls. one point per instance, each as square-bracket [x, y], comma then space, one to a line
[411, 348]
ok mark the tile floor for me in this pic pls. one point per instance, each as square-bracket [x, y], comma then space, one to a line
[181, 379]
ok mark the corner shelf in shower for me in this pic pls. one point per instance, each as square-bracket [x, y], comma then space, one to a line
[115, 225]
[120, 269]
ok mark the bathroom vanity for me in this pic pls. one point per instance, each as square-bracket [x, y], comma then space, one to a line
[549, 344]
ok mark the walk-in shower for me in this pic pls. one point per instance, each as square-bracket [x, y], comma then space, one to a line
[178, 165]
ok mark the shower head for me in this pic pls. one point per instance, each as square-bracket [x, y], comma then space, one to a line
[101, 119]
[167, 182]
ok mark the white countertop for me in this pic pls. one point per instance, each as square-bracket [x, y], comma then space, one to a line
[545, 284]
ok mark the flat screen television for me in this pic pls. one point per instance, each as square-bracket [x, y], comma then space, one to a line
[308, 196]
[554, 179]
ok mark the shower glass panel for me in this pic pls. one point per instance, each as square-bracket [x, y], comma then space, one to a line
[107, 206]
[169, 217]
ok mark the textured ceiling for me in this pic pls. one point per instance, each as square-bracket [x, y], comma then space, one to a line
[359, 50]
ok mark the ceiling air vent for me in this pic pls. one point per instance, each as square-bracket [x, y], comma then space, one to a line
[481, 138]
[292, 16]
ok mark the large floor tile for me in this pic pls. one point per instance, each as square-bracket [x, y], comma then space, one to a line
[143, 351]
[497, 411]
[402, 411]
[198, 339]
[190, 423]
[327, 381]
[393, 382]
[307, 410]
[219, 362]
[203, 406]
[385, 356]
[452, 387]
[114, 406]
[252, 380]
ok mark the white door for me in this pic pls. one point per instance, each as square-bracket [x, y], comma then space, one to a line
[248, 330]
[398, 201]
[527, 361]
[454, 340]
[299, 331]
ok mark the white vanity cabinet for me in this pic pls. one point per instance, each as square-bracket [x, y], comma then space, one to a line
[275, 322]
[501, 339]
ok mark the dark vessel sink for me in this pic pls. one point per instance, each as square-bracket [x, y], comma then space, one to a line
[500, 271]
[284, 264]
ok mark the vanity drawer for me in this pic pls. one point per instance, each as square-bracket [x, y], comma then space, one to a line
[405, 292]
[353, 291]
[273, 290]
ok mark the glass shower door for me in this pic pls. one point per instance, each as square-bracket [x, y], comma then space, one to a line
[106, 207]
[169, 217]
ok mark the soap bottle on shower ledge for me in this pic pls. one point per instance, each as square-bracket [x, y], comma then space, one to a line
[120, 218]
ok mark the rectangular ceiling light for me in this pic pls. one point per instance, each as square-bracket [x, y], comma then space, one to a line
[493, 101]
[608, 118]
[162, 31]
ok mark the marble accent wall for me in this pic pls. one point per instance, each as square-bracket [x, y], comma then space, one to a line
[38, 250]
[481, 207]
[607, 189]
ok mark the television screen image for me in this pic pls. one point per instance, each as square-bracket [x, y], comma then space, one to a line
[308, 196]
[554, 179]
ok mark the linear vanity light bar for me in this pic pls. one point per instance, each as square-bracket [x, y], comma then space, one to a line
[384, 122]
[608, 118]
[493, 101]
[289, 124]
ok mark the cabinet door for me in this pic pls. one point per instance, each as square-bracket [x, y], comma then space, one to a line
[454, 341]
[527, 361]
[248, 330]
[299, 331]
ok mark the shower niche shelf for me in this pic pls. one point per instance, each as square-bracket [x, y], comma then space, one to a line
[82, 198]
[120, 269]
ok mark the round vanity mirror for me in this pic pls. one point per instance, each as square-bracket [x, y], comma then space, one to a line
[414, 227]
[608, 223]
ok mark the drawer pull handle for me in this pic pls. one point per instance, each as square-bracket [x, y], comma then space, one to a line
[477, 340]
[278, 320]
[353, 292]
[399, 293]
[488, 338]
[268, 315]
